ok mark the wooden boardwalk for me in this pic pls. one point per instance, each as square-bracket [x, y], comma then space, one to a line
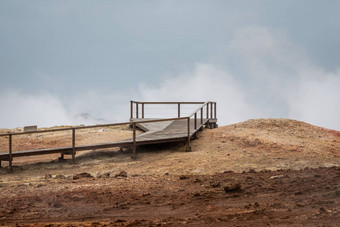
[156, 131]
[174, 131]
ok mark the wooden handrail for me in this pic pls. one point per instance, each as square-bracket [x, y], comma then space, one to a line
[167, 102]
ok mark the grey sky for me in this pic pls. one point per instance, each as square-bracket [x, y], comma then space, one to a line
[69, 50]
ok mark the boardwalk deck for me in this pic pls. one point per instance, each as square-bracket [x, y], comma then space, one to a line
[174, 132]
[155, 131]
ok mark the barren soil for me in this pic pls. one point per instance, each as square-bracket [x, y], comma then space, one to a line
[264, 172]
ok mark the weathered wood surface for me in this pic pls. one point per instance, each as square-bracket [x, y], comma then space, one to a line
[151, 127]
[176, 130]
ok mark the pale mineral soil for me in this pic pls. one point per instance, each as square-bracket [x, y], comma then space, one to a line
[266, 149]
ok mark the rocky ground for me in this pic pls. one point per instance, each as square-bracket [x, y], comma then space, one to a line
[263, 172]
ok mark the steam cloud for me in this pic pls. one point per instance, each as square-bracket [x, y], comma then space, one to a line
[259, 74]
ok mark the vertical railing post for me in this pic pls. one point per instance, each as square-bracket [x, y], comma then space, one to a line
[134, 141]
[195, 124]
[142, 110]
[179, 110]
[202, 116]
[137, 114]
[207, 111]
[131, 109]
[188, 142]
[215, 111]
[211, 110]
[10, 157]
[73, 145]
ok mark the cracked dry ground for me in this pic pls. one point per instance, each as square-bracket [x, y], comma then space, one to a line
[219, 184]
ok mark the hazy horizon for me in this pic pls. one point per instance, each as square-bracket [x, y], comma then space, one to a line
[61, 60]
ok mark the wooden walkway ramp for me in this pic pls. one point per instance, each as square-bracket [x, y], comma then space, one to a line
[171, 131]
[156, 131]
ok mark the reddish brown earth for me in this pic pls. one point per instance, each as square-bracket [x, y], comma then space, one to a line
[259, 172]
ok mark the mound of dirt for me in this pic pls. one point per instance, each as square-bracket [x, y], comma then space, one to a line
[264, 171]
[271, 144]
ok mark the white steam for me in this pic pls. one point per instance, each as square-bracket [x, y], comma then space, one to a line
[19, 109]
[259, 74]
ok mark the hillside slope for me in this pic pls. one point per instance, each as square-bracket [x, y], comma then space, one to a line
[232, 177]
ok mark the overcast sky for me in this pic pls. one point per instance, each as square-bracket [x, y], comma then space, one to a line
[257, 59]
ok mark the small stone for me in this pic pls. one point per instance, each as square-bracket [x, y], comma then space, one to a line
[183, 177]
[232, 188]
[82, 175]
[215, 184]
[322, 210]
[48, 176]
[276, 176]
[59, 176]
[121, 174]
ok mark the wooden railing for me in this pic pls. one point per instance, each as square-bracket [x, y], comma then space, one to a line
[210, 113]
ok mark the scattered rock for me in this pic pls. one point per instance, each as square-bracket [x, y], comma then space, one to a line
[48, 176]
[24, 184]
[183, 177]
[197, 180]
[121, 174]
[228, 171]
[298, 193]
[82, 175]
[215, 184]
[322, 210]
[57, 204]
[40, 185]
[276, 177]
[104, 175]
[59, 176]
[232, 188]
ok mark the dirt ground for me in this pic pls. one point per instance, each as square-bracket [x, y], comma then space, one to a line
[266, 172]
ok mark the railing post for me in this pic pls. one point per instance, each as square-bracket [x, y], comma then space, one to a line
[207, 111]
[134, 141]
[201, 116]
[131, 109]
[73, 145]
[188, 142]
[137, 115]
[179, 110]
[10, 157]
[211, 110]
[195, 124]
[142, 110]
[215, 110]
